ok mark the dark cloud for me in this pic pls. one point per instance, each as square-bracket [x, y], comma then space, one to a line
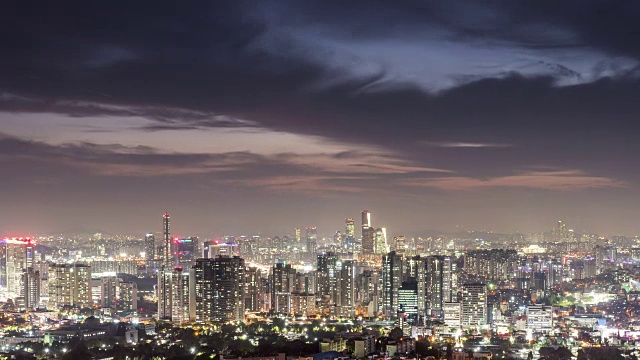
[484, 91]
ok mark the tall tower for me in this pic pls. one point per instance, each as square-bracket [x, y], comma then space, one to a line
[392, 276]
[166, 241]
[368, 233]
[366, 218]
[349, 235]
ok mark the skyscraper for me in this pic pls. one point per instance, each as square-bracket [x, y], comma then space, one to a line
[186, 251]
[474, 305]
[366, 218]
[166, 241]
[109, 286]
[283, 283]
[392, 276]
[32, 288]
[380, 242]
[219, 289]
[368, 233]
[312, 239]
[439, 270]
[16, 255]
[336, 284]
[149, 247]
[181, 307]
[70, 285]
[349, 235]
[253, 291]
[128, 296]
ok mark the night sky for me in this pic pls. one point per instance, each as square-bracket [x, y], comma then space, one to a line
[258, 116]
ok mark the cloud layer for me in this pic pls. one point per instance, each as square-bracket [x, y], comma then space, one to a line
[363, 102]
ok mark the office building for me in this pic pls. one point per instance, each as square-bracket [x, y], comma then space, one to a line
[380, 242]
[392, 276]
[539, 318]
[440, 271]
[312, 241]
[186, 251]
[452, 313]
[408, 301]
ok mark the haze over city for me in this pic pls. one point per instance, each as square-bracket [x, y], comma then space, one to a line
[255, 117]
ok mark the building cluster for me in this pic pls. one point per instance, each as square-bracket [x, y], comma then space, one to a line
[29, 282]
[426, 287]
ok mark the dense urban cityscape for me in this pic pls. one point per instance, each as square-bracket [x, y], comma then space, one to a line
[320, 180]
[359, 294]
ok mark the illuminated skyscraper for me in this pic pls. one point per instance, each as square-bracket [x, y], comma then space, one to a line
[185, 251]
[128, 296]
[474, 305]
[380, 242]
[368, 240]
[392, 276]
[283, 283]
[312, 239]
[16, 256]
[165, 276]
[166, 241]
[149, 247]
[32, 288]
[398, 244]
[253, 293]
[219, 289]
[439, 283]
[109, 286]
[70, 285]
[350, 229]
[298, 239]
[366, 218]
[181, 308]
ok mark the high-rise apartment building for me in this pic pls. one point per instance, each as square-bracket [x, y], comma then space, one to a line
[150, 247]
[109, 286]
[253, 290]
[32, 288]
[474, 305]
[166, 241]
[283, 283]
[219, 285]
[336, 284]
[182, 310]
[70, 285]
[128, 296]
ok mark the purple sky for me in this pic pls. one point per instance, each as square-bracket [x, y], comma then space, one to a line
[243, 117]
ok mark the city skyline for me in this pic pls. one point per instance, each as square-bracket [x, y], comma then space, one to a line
[239, 117]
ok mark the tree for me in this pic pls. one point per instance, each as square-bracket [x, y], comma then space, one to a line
[395, 334]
